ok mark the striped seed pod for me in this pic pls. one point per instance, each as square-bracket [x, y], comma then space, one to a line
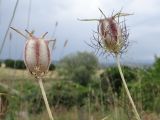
[37, 56]
[111, 35]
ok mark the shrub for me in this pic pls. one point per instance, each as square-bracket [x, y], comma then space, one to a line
[78, 67]
[112, 75]
[52, 67]
[67, 94]
[9, 63]
[17, 64]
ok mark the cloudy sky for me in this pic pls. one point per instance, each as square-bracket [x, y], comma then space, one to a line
[144, 25]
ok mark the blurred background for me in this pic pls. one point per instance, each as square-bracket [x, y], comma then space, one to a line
[81, 85]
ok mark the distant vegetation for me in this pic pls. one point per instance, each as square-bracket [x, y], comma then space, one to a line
[82, 84]
[18, 64]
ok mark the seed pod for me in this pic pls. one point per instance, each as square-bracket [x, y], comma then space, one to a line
[37, 56]
[111, 35]
[37, 53]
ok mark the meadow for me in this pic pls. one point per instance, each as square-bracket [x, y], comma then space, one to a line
[78, 87]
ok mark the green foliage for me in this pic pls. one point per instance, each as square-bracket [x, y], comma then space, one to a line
[33, 96]
[52, 67]
[81, 84]
[67, 94]
[79, 67]
[156, 64]
[9, 103]
[111, 76]
[147, 89]
[9, 63]
[13, 107]
[81, 75]
[17, 64]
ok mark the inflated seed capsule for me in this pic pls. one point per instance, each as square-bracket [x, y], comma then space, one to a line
[111, 34]
[37, 54]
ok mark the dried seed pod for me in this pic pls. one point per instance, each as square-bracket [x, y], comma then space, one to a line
[37, 56]
[111, 35]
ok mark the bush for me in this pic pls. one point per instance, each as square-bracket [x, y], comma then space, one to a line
[52, 67]
[111, 75]
[147, 90]
[19, 64]
[32, 97]
[67, 94]
[16, 64]
[78, 67]
[9, 63]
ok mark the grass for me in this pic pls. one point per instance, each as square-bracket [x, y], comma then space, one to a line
[14, 78]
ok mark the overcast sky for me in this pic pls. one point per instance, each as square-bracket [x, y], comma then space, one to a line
[144, 25]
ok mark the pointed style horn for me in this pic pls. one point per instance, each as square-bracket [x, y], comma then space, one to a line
[44, 35]
[18, 32]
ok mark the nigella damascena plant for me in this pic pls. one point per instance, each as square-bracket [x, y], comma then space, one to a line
[37, 58]
[111, 34]
[112, 37]
[37, 54]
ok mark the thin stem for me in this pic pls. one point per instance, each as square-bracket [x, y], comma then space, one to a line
[29, 14]
[54, 31]
[88, 19]
[45, 99]
[44, 35]
[19, 32]
[102, 12]
[126, 88]
[105, 118]
[12, 91]
[101, 96]
[119, 14]
[12, 18]
[30, 33]
[89, 104]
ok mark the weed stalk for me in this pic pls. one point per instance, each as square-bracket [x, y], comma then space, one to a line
[126, 88]
[45, 99]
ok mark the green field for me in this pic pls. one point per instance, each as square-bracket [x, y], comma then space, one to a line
[80, 89]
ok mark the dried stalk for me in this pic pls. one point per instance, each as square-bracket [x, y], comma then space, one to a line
[126, 88]
[14, 11]
[45, 99]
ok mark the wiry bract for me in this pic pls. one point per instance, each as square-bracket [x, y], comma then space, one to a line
[111, 35]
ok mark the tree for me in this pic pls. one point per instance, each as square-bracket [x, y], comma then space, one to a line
[79, 67]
